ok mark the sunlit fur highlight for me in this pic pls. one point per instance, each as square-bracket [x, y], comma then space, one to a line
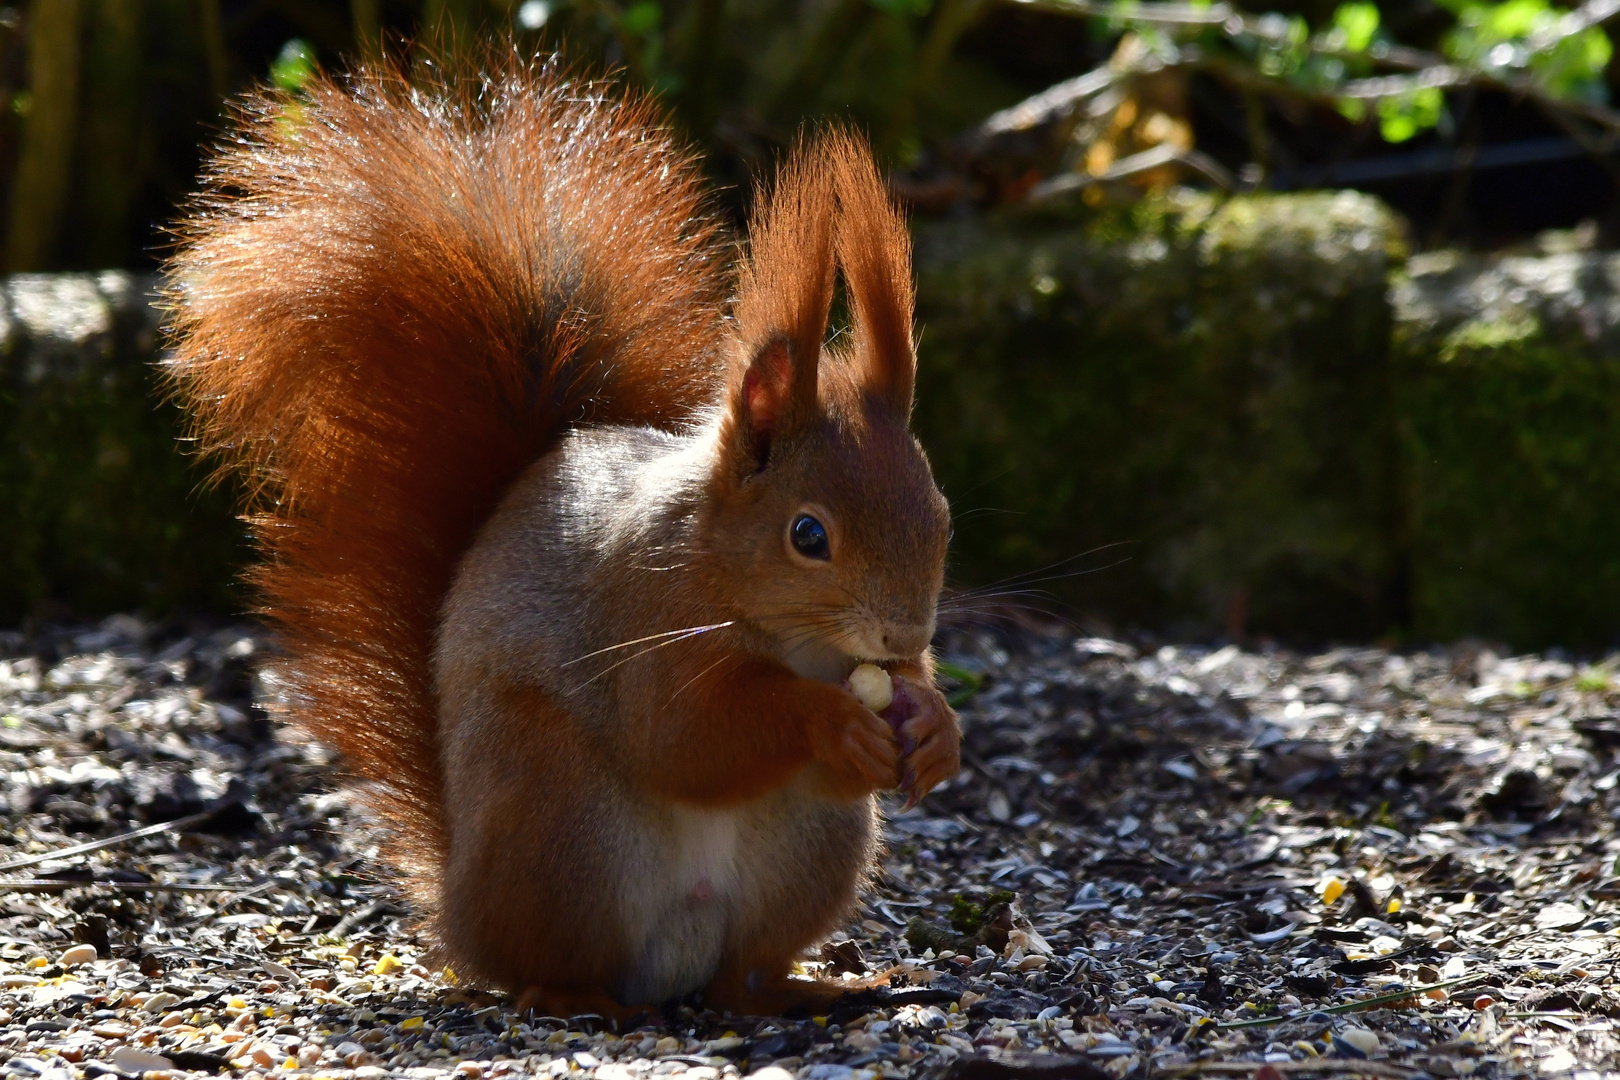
[388, 300]
[522, 491]
[874, 253]
[785, 286]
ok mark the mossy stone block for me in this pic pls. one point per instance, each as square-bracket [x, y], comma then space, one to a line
[100, 511]
[1509, 396]
[1183, 412]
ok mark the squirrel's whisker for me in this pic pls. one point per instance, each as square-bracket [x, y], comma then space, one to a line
[685, 631]
[692, 633]
[724, 658]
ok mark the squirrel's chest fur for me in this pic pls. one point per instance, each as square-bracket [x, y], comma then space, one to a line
[594, 527]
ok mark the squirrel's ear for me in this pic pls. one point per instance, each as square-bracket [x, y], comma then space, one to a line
[777, 392]
[874, 252]
[784, 294]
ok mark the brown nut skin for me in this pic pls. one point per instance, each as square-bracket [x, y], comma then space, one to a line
[929, 735]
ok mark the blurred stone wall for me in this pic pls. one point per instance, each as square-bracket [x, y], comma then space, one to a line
[1256, 414]
[1508, 373]
[100, 508]
[1197, 394]
[1198, 415]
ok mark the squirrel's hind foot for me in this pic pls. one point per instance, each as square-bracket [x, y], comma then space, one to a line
[566, 1003]
[749, 994]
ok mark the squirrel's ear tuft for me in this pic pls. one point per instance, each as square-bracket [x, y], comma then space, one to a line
[874, 253]
[769, 398]
[784, 294]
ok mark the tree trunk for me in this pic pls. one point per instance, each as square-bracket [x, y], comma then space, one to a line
[44, 164]
[112, 129]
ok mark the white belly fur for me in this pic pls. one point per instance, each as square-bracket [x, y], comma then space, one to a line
[685, 893]
[705, 850]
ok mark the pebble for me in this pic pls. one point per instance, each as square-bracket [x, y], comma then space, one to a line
[828, 1071]
[129, 1059]
[1560, 916]
[1099, 933]
[77, 955]
[1360, 1038]
[280, 971]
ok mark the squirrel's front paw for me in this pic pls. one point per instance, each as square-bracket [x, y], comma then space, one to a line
[857, 750]
[930, 738]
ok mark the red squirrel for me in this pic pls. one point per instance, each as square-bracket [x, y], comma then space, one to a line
[570, 554]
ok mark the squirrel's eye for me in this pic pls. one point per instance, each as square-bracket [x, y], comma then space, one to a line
[810, 538]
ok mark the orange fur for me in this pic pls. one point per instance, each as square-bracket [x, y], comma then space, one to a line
[469, 342]
[388, 301]
[874, 250]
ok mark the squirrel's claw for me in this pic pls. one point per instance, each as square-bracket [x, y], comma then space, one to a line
[929, 736]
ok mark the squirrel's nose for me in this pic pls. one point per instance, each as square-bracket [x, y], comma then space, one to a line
[907, 640]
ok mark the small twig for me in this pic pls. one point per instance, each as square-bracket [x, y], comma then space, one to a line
[1352, 1006]
[262, 887]
[1423, 69]
[1053, 103]
[1588, 15]
[358, 917]
[63, 884]
[1164, 14]
[1135, 165]
[112, 841]
[1599, 148]
[1234, 22]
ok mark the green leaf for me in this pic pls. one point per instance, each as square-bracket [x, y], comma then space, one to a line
[1352, 109]
[1358, 22]
[968, 681]
[1282, 57]
[1516, 18]
[1574, 68]
[294, 66]
[903, 7]
[1498, 35]
[1404, 115]
[642, 18]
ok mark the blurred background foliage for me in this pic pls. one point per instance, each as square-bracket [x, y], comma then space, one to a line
[1174, 375]
[104, 104]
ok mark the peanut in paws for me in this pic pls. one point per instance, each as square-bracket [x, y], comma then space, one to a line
[871, 686]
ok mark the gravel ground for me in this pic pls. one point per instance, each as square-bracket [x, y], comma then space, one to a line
[1158, 860]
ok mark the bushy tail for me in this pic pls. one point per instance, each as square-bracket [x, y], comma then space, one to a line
[386, 302]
